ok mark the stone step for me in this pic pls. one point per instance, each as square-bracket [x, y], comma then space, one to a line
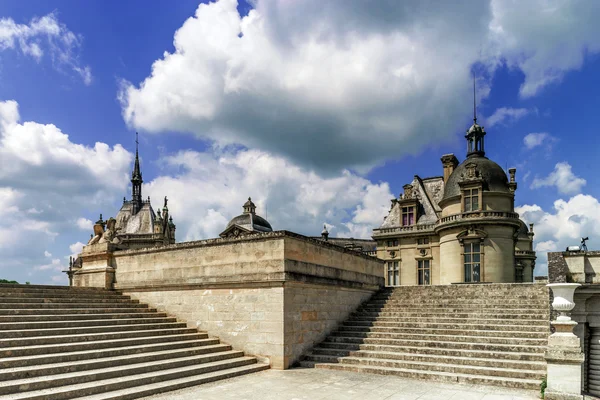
[414, 357]
[454, 302]
[449, 331]
[7, 322]
[105, 319]
[454, 314]
[508, 326]
[102, 344]
[93, 337]
[489, 370]
[59, 311]
[432, 376]
[519, 309]
[49, 291]
[445, 338]
[89, 329]
[195, 346]
[521, 348]
[503, 355]
[63, 295]
[166, 368]
[79, 305]
[67, 299]
[447, 319]
[214, 352]
[157, 387]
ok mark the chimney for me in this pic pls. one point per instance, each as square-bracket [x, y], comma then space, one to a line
[449, 161]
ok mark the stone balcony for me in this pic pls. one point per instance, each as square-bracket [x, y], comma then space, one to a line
[404, 230]
[504, 217]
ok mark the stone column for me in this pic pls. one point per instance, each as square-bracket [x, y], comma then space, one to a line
[98, 266]
[564, 355]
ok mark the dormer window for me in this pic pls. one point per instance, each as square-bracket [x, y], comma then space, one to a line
[408, 216]
[471, 199]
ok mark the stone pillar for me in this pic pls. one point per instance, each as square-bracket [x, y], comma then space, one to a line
[564, 355]
[98, 266]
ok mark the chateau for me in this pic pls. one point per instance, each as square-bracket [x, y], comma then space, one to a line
[457, 228]
[147, 315]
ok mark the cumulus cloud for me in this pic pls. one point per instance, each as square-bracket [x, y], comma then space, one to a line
[290, 196]
[564, 225]
[563, 178]
[544, 39]
[45, 34]
[328, 86]
[532, 140]
[85, 224]
[39, 158]
[345, 84]
[506, 115]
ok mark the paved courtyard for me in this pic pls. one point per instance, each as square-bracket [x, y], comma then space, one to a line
[313, 384]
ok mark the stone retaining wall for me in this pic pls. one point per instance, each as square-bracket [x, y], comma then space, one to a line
[272, 295]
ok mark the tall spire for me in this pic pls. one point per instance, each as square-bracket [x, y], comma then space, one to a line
[475, 134]
[474, 103]
[136, 181]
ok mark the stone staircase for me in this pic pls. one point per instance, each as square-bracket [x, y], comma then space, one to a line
[64, 343]
[493, 334]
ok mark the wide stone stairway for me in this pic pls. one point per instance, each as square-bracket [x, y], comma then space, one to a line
[64, 343]
[480, 333]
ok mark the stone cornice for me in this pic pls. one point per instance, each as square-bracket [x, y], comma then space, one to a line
[249, 238]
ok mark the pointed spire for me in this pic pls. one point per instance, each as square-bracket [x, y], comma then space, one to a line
[136, 181]
[137, 173]
[474, 103]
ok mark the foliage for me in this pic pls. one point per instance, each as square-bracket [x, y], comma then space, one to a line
[543, 386]
[7, 281]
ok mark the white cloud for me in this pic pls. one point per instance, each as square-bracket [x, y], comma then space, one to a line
[85, 224]
[532, 140]
[47, 254]
[505, 115]
[563, 178]
[543, 38]
[37, 158]
[301, 78]
[563, 226]
[295, 198]
[45, 34]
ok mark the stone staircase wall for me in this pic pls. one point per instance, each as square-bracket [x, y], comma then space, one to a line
[482, 333]
[63, 343]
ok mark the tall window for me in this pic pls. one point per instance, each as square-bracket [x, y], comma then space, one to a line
[472, 262]
[393, 273]
[408, 216]
[424, 272]
[471, 199]
[422, 241]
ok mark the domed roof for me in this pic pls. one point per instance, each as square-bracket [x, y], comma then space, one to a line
[253, 221]
[247, 222]
[494, 177]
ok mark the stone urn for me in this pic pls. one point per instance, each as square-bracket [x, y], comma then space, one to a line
[563, 299]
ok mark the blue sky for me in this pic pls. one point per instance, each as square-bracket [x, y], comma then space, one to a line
[320, 113]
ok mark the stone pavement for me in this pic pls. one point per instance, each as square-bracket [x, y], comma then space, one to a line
[313, 384]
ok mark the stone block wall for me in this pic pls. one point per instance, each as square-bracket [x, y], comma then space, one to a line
[272, 295]
[246, 318]
[311, 312]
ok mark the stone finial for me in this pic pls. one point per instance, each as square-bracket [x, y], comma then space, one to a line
[512, 172]
[325, 233]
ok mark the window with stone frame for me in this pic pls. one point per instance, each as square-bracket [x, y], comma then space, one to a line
[422, 241]
[408, 216]
[471, 199]
[424, 272]
[393, 271]
[472, 261]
